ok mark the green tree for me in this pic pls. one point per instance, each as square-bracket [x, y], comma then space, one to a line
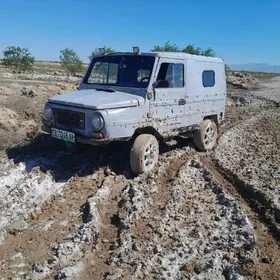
[208, 52]
[96, 52]
[18, 59]
[71, 62]
[191, 49]
[166, 48]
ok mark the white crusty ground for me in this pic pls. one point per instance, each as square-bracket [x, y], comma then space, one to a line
[250, 152]
[23, 190]
[203, 242]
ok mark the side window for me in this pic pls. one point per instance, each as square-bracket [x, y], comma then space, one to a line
[208, 78]
[171, 75]
[178, 75]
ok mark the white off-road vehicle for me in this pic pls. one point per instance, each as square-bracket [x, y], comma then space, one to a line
[142, 98]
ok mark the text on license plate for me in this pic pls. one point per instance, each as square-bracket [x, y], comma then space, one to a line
[64, 135]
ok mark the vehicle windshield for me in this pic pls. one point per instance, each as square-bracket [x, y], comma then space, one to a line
[120, 70]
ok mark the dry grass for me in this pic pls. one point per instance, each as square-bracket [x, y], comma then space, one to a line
[43, 67]
[50, 67]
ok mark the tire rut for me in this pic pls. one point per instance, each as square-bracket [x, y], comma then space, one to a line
[97, 263]
[168, 176]
[267, 265]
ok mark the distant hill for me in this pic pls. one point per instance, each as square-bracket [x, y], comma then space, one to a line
[256, 67]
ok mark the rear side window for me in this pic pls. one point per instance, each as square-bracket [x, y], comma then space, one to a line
[208, 78]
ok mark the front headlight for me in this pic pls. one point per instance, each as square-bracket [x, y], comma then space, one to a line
[48, 113]
[97, 122]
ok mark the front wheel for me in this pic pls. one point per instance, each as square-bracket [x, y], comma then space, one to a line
[206, 137]
[144, 154]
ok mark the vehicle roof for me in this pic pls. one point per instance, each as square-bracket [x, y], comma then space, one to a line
[176, 55]
[187, 56]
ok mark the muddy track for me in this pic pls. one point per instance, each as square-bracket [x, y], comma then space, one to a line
[167, 177]
[97, 263]
[62, 215]
[267, 241]
[266, 227]
[254, 199]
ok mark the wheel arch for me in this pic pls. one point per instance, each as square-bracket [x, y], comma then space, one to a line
[147, 130]
[214, 118]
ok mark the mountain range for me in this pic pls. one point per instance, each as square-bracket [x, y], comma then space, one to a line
[256, 67]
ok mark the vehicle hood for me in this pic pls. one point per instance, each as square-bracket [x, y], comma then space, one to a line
[97, 99]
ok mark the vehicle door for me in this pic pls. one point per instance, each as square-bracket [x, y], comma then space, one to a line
[167, 107]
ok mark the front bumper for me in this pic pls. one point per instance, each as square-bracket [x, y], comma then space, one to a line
[82, 139]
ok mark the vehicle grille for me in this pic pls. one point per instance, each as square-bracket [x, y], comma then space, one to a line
[69, 119]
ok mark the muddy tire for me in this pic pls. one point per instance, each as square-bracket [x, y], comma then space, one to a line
[144, 154]
[205, 138]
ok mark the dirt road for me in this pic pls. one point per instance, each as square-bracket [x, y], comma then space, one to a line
[198, 216]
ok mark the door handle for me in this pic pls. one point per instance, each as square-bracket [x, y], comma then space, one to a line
[182, 102]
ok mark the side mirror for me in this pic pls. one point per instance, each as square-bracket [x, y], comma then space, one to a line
[155, 84]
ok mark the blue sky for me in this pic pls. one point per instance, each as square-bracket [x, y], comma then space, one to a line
[240, 31]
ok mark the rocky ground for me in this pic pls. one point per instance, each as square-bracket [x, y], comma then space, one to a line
[85, 216]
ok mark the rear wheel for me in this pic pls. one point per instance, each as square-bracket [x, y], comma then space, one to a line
[144, 154]
[205, 138]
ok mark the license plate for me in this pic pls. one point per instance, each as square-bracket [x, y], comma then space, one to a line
[63, 135]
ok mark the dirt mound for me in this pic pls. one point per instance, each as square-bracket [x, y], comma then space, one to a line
[5, 91]
[66, 86]
[9, 119]
[28, 92]
[242, 80]
[13, 129]
[22, 108]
